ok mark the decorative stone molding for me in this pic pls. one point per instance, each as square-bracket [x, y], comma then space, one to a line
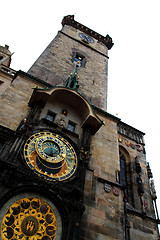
[131, 132]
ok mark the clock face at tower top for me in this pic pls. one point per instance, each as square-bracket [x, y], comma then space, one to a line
[50, 156]
[86, 38]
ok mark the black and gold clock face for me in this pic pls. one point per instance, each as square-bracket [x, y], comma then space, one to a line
[30, 217]
[50, 156]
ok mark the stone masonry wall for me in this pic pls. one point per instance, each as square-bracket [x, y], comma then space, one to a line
[104, 217]
[14, 101]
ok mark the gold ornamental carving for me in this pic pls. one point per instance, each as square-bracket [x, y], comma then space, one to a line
[29, 219]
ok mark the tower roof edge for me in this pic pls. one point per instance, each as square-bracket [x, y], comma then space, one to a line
[69, 20]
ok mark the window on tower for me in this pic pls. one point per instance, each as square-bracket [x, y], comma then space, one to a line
[78, 59]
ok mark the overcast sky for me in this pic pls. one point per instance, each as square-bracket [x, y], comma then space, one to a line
[134, 72]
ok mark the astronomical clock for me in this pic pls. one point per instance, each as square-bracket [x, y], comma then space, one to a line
[50, 156]
[32, 216]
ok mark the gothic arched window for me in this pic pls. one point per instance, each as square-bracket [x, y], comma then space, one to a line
[123, 178]
[126, 179]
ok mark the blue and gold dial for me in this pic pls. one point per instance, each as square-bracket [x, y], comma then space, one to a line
[50, 156]
[86, 38]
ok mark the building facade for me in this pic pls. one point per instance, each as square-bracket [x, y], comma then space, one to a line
[69, 169]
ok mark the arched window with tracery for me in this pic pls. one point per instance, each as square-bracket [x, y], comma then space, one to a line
[126, 174]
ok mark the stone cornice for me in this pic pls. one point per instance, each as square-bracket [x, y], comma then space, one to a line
[69, 20]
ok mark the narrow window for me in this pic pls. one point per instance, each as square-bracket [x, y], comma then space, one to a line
[126, 177]
[50, 116]
[123, 180]
[71, 126]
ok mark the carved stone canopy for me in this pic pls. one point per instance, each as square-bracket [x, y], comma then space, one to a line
[71, 98]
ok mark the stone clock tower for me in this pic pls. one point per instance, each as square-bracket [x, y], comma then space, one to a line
[69, 169]
[77, 42]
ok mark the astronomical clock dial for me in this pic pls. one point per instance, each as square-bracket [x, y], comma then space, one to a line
[30, 218]
[50, 156]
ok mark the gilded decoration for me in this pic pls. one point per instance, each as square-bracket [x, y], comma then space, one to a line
[29, 219]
